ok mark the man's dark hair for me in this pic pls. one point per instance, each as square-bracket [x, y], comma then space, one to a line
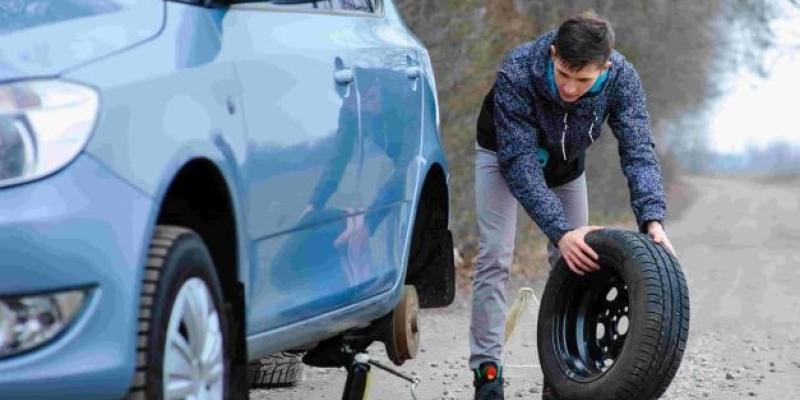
[584, 39]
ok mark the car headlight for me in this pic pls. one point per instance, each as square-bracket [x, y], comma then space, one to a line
[29, 321]
[44, 124]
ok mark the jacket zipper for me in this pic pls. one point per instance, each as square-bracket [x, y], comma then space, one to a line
[564, 136]
[564, 133]
[592, 127]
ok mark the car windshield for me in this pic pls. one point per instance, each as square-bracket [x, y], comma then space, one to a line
[22, 14]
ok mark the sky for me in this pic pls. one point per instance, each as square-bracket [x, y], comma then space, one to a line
[756, 111]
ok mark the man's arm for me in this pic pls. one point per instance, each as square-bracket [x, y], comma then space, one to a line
[631, 125]
[516, 153]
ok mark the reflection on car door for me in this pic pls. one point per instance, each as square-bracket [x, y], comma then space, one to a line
[391, 108]
[301, 109]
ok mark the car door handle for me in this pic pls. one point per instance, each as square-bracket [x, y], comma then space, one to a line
[413, 72]
[343, 76]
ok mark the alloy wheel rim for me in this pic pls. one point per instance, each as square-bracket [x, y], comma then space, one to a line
[193, 361]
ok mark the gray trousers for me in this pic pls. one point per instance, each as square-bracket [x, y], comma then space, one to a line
[497, 223]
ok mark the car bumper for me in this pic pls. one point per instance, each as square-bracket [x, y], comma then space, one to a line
[82, 227]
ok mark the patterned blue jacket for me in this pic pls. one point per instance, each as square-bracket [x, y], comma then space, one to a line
[528, 115]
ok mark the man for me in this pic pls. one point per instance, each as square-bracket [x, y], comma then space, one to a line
[547, 105]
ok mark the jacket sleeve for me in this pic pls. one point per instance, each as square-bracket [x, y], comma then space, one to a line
[630, 123]
[516, 153]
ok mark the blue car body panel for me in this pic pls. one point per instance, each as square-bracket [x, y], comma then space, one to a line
[48, 38]
[324, 173]
[60, 232]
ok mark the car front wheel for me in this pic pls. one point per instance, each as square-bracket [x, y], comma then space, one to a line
[182, 350]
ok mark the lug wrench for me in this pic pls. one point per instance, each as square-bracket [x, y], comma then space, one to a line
[357, 382]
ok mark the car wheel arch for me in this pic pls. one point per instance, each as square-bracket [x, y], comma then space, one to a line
[200, 197]
[430, 262]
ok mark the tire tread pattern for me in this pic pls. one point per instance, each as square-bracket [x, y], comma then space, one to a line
[277, 370]
[163, 239]
[659, 319]
[666, 329]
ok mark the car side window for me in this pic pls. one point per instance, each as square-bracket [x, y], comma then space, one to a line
[366, 6]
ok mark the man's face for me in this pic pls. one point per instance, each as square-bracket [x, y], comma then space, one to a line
[574, 84]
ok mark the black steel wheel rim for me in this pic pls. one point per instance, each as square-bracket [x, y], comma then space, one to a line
[592, 324]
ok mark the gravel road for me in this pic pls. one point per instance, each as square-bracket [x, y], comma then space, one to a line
[739, 246]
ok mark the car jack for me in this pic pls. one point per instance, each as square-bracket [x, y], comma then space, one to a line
[357, 383]
[397, 330]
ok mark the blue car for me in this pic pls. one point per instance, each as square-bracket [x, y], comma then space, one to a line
[189, 186]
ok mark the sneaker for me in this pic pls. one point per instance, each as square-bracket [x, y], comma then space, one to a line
[488, 382]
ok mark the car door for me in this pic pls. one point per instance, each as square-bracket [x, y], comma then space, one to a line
[301, 110]
[388, 81]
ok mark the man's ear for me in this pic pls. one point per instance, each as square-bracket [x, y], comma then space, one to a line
[553, 50]
[607, 66]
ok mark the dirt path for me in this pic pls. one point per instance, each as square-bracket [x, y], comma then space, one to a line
[739, 244]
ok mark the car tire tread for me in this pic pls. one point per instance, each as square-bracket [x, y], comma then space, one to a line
[163, 239]
[277, 370]
[662, 326]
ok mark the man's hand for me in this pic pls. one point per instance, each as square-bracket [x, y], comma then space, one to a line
[579, 256]
[656, 232]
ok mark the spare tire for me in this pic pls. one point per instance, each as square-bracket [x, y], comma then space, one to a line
[618, 333]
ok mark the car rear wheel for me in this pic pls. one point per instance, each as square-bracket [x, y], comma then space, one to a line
[182, 348]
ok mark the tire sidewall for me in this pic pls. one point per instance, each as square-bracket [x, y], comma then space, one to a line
[187, 258]
[610, 384]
